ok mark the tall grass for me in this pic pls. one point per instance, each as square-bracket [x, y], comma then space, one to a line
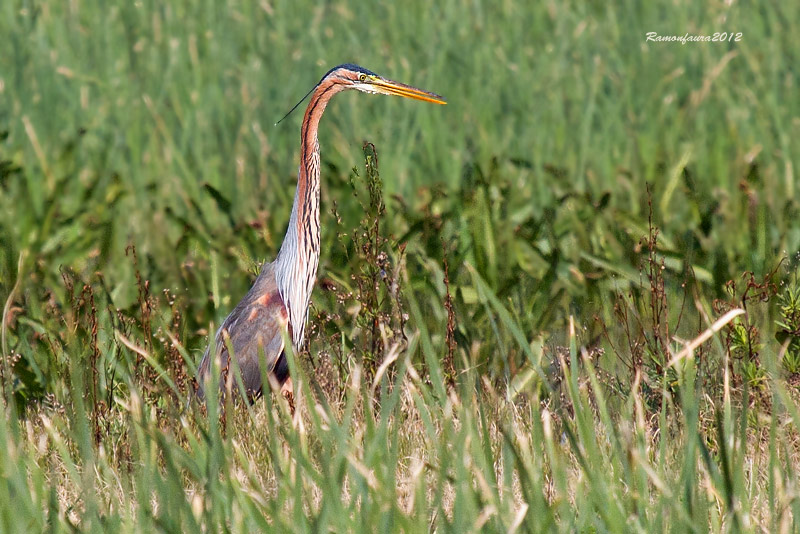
[493, 336]
[418, 460]
[558, 444]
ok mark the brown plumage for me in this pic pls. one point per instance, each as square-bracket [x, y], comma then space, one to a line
[255, 325]
[277, 304]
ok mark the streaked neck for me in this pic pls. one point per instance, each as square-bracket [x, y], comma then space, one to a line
[298, 259]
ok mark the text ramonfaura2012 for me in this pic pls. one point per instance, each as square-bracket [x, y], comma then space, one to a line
[717, 37]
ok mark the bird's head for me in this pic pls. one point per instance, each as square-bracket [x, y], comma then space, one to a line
[366, 81]
[349, 76]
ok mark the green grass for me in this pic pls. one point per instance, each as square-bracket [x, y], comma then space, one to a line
[595, 199]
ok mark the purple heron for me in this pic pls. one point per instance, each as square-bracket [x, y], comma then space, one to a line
[279, 299]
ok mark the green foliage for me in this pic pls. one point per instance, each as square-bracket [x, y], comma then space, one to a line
[789, 323]
[492, 339]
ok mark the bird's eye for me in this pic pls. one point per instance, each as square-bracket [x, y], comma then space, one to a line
[362, 77]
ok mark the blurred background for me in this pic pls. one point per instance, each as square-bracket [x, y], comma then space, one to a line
[572, 157]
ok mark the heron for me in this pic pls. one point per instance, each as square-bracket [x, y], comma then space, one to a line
[276, 307]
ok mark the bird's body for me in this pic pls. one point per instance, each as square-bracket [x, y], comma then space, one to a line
[279, 299]
[255, 325]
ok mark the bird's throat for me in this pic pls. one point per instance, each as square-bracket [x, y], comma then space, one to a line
[298, 259]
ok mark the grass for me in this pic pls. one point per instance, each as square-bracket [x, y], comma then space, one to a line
[492, 337]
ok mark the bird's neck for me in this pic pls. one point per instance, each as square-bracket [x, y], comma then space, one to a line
[298, 258]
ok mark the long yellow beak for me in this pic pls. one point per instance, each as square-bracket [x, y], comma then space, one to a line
[389, 87]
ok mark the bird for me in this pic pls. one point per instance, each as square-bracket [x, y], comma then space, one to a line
[276, 307]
